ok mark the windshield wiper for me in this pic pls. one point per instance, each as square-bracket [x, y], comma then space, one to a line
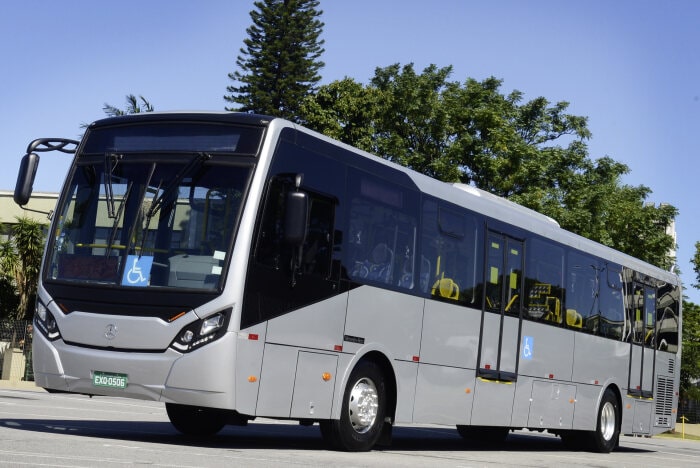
[117, 216]
[175, 183]
[111, 161]
[166, 194]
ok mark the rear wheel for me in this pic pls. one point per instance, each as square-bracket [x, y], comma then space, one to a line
[362, 413]
[607, 434]
[195, 420]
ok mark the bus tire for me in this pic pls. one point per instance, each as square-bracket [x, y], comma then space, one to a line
[195, 420]
[362, 412]
[607, 433]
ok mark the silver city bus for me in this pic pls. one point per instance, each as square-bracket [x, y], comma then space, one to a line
[236, 266]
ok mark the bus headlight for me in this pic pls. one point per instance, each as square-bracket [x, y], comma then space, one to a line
[211, 324]
[201, 332]
[41, 311]
[45, 322]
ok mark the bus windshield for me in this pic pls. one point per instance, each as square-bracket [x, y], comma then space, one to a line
[149, 219]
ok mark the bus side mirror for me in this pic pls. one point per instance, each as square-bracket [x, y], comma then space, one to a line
[296, 215]
[25, 178]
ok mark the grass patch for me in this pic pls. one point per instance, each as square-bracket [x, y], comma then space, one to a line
[678, 435]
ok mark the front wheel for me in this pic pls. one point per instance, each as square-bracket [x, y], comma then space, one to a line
[607, 433]
[362, 413]
[195, 420]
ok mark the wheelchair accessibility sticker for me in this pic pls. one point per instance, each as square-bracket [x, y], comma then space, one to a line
[137, 271]
[528, 346]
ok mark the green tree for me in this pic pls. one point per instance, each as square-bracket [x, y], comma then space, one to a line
[344, 110]
[690, 361]
[533, 153]
[279, 65]
[9, 299]
[696, 265]
[20, 260]
[416, 127]
[133, 106]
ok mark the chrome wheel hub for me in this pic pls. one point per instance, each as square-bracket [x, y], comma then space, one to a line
[607, 421]
[363, 405]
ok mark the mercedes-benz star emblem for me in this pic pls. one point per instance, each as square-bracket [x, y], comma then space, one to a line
[111, 331]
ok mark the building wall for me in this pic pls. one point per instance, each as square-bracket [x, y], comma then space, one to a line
[10, 211]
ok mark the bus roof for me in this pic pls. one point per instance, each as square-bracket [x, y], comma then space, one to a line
[204, 116]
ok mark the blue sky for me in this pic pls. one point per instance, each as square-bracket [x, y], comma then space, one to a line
[631, 67]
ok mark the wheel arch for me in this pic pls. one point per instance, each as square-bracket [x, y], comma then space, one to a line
[618, 396]
[383, 362]
[614, 385]
[379, 357]
[601, 440]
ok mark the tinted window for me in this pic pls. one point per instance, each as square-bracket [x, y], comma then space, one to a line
[503, 274]
[582, 292]
[667, 318]
[286, 276]
[315, 254]
[612, 311]
[543, 282]
[649, 317]
[382, 232]
[450, 262]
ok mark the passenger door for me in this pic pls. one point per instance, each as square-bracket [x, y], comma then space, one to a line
[500, 329]
[641, 315]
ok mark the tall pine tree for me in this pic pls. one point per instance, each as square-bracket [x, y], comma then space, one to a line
[279, 65]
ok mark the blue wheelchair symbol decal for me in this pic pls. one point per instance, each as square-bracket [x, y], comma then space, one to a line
[137, 270]
[528, 347]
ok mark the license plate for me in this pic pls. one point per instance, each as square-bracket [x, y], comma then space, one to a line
[109, 379]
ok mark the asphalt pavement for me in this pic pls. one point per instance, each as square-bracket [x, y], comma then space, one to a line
[689, 429]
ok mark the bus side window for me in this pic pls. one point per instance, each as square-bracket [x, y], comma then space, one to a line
[494, 277]
[315, 257]
[649, 317]
[543, 282]
[382, 235]
[450, 265]
[316, 251]
[636, 315]
[667, 318]
[269, 250]
[582, 292]
[641, 313]
[612, 309]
